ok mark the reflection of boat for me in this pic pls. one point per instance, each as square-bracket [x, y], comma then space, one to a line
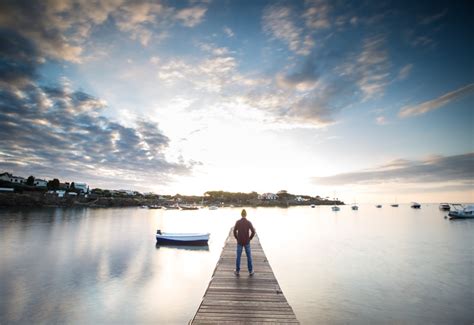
[461, 212]
[168, 238]
[444, 207]
[415, 205]
[378, 206]
[188, 207]
[335, 207]
[394, 205]
[213, 207]
[204, 247]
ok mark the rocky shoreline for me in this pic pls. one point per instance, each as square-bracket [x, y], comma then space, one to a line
[36, 199]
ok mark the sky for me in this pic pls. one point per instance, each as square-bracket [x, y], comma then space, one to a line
[367, 101]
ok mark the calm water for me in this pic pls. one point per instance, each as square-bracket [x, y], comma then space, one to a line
[389, 265]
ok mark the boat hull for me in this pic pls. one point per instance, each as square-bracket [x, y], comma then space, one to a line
[182, 239]
[171, 242]
[460, 215]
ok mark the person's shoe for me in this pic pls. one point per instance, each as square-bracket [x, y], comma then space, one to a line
[237, 273]
[251, 273]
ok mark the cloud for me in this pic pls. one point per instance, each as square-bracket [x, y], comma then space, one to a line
[316, 16]
[46, 24]
[192, 16]
[373, 67]
[431, 19]
[405, 71]
[279, 22]
[138, 19]
[381, 120]
[61, 29]
[212, 74]
[303, 79]
[19, 59]
[53, 129]
[457, 168]
[425, 107]
[228, 31]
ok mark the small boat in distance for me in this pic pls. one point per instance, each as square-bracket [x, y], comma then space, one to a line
[213, 207]
[154, 206]
[378, 206]
[335, 208]
[461, 212]
[187, 239]
[313, 206]
[188, 207]
[171, 207]
[354, 206]
[415, 205]
[444, 207]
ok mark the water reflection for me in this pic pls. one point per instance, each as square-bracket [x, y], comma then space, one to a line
[103, 265]
[203, 248]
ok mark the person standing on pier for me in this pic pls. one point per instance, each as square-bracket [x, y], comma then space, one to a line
[241, 233]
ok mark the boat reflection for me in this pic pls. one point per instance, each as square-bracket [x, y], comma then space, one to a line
[204, 248]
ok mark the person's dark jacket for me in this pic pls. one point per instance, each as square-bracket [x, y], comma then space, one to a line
[241, 231]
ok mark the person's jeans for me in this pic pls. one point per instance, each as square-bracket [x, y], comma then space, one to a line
[249, 257]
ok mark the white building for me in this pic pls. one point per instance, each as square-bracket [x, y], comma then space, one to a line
[12, 179]
[17, 179]
[40, 182]
[5, 176]
[268, 196]
[300, 199]
[82, 187]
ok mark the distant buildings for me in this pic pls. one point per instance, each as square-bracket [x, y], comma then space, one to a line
[12, 179]
[81, 187]
[41, 183]
[268, 196]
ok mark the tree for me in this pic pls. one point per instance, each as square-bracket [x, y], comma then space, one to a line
[55, 184]
[30, 181]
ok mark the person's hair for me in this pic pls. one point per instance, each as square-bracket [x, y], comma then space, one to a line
[243, 213]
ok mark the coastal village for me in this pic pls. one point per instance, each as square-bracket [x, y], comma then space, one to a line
[32, 191]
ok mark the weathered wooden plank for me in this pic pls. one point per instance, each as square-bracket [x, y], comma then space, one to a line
[244, 299]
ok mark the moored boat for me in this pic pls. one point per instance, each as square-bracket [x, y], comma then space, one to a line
[394, 205]
[461, 212]
[354, 206]
[444, 207]
[154, 206]
[313, 206]
[213, 207]
[415, 205]
[171, 207]
[167, 238]
[188, 207]
[378, 206]
[335, 208]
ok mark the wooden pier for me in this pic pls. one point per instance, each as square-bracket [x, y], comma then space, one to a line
[244, 299]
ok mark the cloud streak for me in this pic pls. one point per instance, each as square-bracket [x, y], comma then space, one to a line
[428, 106]
[279, 22]
[438, 169]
